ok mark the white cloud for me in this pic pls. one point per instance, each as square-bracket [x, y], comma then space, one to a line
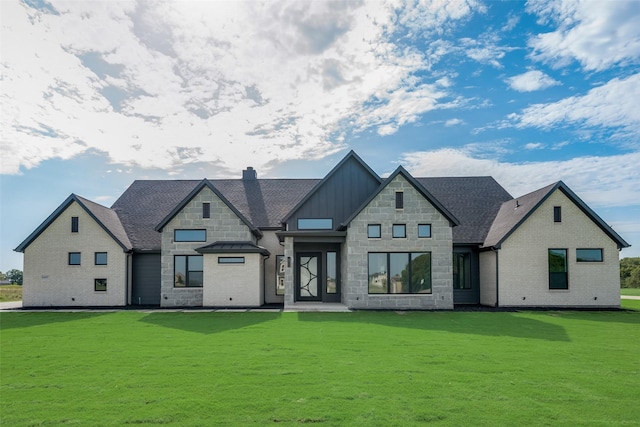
[453, 122]
[612, 105]
[531, 81]
[220, 82]
[599, 181]
[598, 34]
[534, 146]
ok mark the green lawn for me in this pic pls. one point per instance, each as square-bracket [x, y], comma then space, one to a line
[363, 368]
[630, 291]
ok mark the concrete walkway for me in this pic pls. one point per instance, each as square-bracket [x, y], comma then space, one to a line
[629, 297]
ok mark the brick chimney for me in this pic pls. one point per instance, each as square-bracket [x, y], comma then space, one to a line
[249, 174]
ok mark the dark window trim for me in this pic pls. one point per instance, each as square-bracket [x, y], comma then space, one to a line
[74, 224]
[329, 227]
[95, 285]
[95, 258]
[79, 258]
[399, 200]
[590, 249]
[388, 256]
[206, 210]
[423, 225]
[175, 234]
[566, 269]
[378, 226]
[404, 236]
[187, 272]
[557, 214]
[230, 260]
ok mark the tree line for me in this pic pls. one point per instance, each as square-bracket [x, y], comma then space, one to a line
[14, 276]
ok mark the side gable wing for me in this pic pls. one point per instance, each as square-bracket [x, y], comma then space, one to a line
[338, 194]
[428, 196]
[105, 217]
[206, 183]
[514, 213]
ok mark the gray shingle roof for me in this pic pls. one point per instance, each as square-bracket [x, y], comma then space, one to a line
[474, 201]
[232, 247]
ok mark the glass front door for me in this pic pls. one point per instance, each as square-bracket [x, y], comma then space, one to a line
[309, 277]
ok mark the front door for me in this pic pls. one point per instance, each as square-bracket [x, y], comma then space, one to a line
[309, 277]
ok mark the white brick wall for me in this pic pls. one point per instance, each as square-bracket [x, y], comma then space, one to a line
[49, 280]
[488, 278]
[523, 260]
[232, 285]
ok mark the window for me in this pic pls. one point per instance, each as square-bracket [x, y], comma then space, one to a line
[374, 231]
[190, 235]
[206, 210]
[558, 269]
[74, 258]
[187, 271]
[281, 265]
[557, 214]
[74, 224]
[461, 273]
[400, 273]
[100, 285]
[315, 224]
[231, 260]
[424, 230]
[332, 272]
[399, 231]
[100, 258]
[399, 200]
[589, 255]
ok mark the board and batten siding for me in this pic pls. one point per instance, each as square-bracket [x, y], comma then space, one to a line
[50, 281]
[523, 260]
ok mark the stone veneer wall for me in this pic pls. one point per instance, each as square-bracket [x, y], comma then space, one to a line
[381, 210]
[50, 281]
[523, 260]
[224, 224]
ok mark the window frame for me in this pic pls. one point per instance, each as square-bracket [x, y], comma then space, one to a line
[281, 265]
[206, 210]
[557, 214]
[557, 273]
[95, 285]
[188, 272]
[75, 224]
[410, 257]
[601, 250]
[399, 199]
[372, 227]
[79, 254]
[225, 260]
[177, 230]
[312, 221]
[421, 236]
[95, 258]
[404, 229]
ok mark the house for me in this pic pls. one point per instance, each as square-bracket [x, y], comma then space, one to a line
[353, 237]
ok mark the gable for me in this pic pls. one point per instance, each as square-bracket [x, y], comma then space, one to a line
[338, 195]
[105, 218]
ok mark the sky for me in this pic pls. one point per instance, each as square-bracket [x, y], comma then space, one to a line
[97, 94]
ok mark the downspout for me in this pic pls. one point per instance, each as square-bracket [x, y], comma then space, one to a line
[497, 280]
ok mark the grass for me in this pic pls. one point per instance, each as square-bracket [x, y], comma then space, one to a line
[361, 368]
[10, 293]
[630, 291]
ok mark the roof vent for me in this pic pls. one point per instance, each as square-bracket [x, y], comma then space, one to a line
[249, 174]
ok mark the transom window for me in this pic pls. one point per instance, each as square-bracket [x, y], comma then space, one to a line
[399, 231]
[100, 285]
[101, 258]
[424, 230]
[74, 258]
[374, 231]
[589, 255]
[400, 273]
[187, 271]
[315, 223]
[231, 260]
[189, 235]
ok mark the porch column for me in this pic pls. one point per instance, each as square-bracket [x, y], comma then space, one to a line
[288, 274]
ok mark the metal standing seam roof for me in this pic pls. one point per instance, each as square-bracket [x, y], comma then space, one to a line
[229, 247]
